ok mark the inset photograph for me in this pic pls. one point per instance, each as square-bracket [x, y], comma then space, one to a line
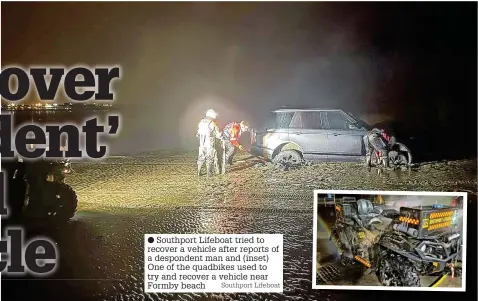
[389, 240]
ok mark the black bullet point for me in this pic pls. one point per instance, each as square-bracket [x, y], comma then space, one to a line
[150, 240]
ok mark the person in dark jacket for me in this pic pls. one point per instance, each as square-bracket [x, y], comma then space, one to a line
[376, 141]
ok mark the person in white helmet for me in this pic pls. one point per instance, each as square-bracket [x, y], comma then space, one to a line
[208, 132]
[231, 133]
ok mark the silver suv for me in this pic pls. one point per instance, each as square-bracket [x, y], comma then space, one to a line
[311, 134]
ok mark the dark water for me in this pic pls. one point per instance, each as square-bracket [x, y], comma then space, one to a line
[146, 128]
[137, 129]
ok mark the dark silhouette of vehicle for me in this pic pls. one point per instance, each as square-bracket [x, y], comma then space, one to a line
[37, 191]
[399, 247]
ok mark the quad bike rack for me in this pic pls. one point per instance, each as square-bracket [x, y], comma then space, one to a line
[334, 271]
[330, 272]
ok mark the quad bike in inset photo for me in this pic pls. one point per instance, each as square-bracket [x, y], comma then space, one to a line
[401, 248]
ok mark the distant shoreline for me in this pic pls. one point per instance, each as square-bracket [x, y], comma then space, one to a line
[59, 107]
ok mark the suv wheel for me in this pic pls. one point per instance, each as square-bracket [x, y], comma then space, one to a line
[288, 158]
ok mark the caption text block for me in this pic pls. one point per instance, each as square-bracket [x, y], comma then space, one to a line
[213, 263]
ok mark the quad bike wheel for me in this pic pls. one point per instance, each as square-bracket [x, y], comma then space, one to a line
[397, 159]
[396, 270]
[67, 203]
[375, 160]
[59, 205]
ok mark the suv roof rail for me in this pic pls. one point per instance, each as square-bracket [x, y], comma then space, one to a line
[304, 109]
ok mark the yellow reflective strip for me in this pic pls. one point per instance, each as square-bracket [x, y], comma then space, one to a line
[439, 281]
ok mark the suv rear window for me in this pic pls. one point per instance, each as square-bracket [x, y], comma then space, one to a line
[282, 120]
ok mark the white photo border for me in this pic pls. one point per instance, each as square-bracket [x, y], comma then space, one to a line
[385, 288]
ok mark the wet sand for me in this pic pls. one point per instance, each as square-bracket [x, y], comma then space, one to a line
[168, 179]
[122, 198]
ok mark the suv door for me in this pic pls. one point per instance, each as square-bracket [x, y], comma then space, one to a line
[307, 129]
[345, 140]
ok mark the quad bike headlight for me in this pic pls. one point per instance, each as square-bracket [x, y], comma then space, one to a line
[433, 251]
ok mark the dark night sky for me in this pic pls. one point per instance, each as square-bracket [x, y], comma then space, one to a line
[416, 61]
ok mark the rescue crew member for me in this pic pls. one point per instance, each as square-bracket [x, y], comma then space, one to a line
[376, 141]
[208, 132]
[231, 134]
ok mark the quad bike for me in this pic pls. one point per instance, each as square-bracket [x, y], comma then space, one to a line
[398, 154]
[37, 191]
[419, 241]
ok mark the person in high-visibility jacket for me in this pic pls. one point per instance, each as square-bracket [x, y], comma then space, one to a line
[208, 133]
[231, 134]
